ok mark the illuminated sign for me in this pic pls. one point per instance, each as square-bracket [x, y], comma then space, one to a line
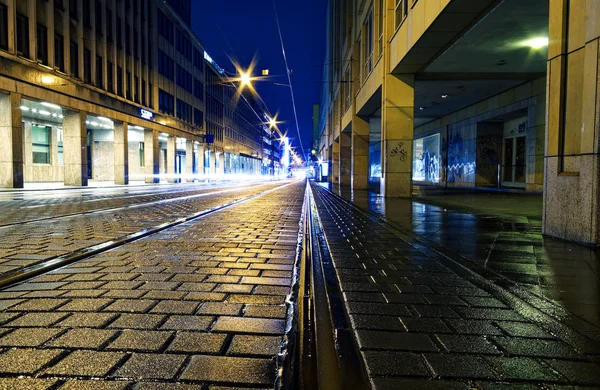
[146, 114]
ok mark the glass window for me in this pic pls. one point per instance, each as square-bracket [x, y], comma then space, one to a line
[59, 52]
[141, 154]
[427, 159]
[98, 15]
[23, 35]
[87, 66]
[119, 81]
[42, 44]
[401, 11]
[74, 54]
[40, 142]
[3, 27]
[99, 72]
[109, 77]
[59, 141]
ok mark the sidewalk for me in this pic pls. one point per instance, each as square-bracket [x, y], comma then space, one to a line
[500, 233]
[424, 321]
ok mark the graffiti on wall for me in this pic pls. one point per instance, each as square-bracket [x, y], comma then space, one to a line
[461, 158]
[427, 159]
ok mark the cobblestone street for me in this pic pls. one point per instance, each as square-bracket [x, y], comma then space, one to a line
[209, 300]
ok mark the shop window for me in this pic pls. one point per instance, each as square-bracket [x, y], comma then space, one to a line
[427, 159]
[141, 154]
[59, 141]
[40, 144]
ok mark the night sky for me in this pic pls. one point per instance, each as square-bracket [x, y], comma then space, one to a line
[246, 29]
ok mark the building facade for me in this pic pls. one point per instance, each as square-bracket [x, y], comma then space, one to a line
[430, 92]
[103, 90]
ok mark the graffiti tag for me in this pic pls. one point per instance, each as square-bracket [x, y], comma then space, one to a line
[399, 151]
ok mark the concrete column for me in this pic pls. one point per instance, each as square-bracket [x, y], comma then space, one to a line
[397, 123]
[11, 147]
[200, 151]
[189, 160]
[75, 148]
[221, 169]
[171, 155]
[121, 145]
[335, 163]
[360, 154]
[151, 156]
[345, 159]
[572, 165]
[212, 170]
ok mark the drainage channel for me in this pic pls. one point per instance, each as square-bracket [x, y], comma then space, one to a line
[327, 356]
[23, 274]
[120, 208]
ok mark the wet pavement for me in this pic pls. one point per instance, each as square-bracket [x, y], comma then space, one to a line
[424, 321]
[42, 226]
[196, 306]
[499, 234]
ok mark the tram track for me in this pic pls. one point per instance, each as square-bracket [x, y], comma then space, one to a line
[123, 207]
[126, 207]
[23, 274]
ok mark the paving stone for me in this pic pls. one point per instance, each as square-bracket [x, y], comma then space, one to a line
[87, 320]
[198, 343]
[86, 364]
[84, 338]
[584, 373]
[138, 321]
[389, 309]
[483, 327]
[200, 287]
[220, 308]
[231, 370]
[388, 363]
[489, 314]
[124, 294]
[26, 384]
[249, 325]
[485, 302]
[255, 345]
[141, 366]
[234, 288]
[26, 361]
[256, 299]
[369, 339]
[536, 348]
[37, 319]
[418, 384]
[82, 293]
[6, 317]
[137, 340]
[266, 311]
[37, 305]
[467, 344]
[521, 369]
[200, 323]
[174, 307]
[460, 366]
[28, 337]
[166, 386]
[130, 305]
[86, 305]
[164, 294]
[94, 385]
[36, 286]
[422, 324]
[523, 329]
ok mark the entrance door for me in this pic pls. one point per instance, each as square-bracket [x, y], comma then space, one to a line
[513, 162]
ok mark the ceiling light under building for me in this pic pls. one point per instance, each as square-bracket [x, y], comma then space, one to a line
[536, 43]
[51, 105]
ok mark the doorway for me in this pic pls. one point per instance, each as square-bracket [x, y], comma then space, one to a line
[513, 162]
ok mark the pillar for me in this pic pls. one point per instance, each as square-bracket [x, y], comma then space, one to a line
[334, 169]
[75, 148]
[151, 156]
[11, 147]
[360, 154]
[171, 156]
[189, 160]
[121, 155]
[397, 124]
[571, 197]
[221, 169]
[200, 151]
[345, 159]
[211, 162]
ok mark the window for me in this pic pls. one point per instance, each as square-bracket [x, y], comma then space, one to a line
[3, 27]
[119, 34]
[183, 45]
[165, 27]
[74, 61]
[87, 17]
[136, 89]
[128, 86]
[99, 73]
[184, 79]
[98, 15]
[73, 9]
[198, 89]
[40, 142]
[198, 117]
[166, 102]
[144, 102]
[23, 35]
[184, 111]
[42, 43]
[165, 65]
[109, 77]
[120, 81]
[128, 38]
[381, 27]
[59, 52]
[198, 59]
[368, 49]
[401, 11]
[87, 66]
[109, 25]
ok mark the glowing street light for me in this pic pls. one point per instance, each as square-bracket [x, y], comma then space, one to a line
[245, 79]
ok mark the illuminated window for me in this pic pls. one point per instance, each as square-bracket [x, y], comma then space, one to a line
[40, 144]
